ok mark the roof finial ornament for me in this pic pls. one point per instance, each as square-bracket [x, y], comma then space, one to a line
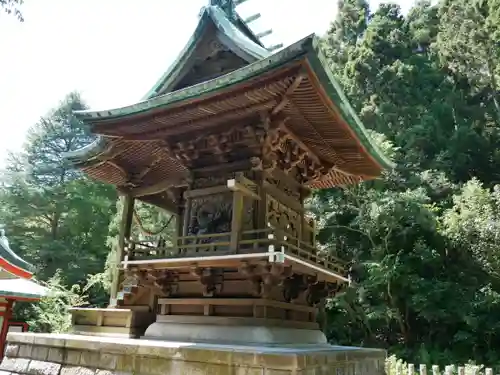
[228, 6]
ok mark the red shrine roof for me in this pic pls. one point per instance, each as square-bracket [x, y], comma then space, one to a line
[16, 283]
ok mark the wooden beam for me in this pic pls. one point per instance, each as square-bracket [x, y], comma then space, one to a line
[275, 47]
[237, 187]
[283, 198]
[263, 34]
[281, 175]
[227, 167]
[205, 191]
[158, 188]
[252, 18]
[289, 91]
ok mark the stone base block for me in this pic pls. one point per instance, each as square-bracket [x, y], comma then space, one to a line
[126, 322]
[44, 354]
[239, 335]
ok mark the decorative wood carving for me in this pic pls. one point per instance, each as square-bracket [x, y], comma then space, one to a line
[293, 287]
[219, 144]
[282, 149]
[282, 217]
[211, 214]
[210, 279]
[317, 292]
[165, 281]
[283, 186]
[133, 278]
[265, 278]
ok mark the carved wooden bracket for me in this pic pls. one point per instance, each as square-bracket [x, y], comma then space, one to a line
[293, 287]
[211, 280]
[317, 292]
[265, 278]
[165, 281]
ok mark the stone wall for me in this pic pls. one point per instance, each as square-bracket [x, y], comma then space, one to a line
[41, 354]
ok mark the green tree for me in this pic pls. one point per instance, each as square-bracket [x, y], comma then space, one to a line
[12, 7]
[55, 215]
[423, 239]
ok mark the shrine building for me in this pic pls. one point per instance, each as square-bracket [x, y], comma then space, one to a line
[231, 141]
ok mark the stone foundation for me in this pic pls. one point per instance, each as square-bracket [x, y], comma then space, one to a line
[234, 335]
[43, 354]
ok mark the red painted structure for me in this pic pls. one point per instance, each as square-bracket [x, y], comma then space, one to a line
[15, 285]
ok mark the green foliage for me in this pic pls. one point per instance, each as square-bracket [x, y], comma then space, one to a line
[12, 7]
[56, 218]
[424, 238]
[51, 314]
[54, 214]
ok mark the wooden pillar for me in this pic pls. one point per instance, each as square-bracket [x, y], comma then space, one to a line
[187, 208]
[261, 205]
[186, 218]
[125, 230]
[237, 219]
[6, 314]
[302, 229]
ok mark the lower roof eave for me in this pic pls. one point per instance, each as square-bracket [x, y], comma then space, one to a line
[308, 47]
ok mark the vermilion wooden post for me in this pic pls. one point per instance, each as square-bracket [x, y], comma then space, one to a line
[6, 314]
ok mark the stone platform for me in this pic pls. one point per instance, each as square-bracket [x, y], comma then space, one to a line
[50, 354]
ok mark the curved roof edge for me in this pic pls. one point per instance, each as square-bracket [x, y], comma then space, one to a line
[22, 289]
[319, 63]
[215, 14]
[12, 262]
[308, 47]
[87, 152]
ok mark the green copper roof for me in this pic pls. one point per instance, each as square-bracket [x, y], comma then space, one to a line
[8, 255]
[308, 47]
[234, 34]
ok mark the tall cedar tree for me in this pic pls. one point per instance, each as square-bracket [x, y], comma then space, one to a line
[424, 238]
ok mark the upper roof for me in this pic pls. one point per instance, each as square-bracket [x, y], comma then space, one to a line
[298, 77]
[11, 262]
[217, 24]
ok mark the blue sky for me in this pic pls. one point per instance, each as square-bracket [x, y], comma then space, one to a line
[113, 51]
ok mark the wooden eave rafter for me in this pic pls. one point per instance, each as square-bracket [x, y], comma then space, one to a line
[286, 96]
[211, 120]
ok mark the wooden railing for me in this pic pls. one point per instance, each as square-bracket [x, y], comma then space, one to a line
[253, 241]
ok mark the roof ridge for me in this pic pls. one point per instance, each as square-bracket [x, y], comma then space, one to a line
[239, 36]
